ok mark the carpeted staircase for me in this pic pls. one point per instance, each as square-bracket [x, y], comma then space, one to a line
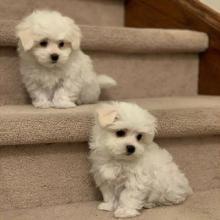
[44, 172]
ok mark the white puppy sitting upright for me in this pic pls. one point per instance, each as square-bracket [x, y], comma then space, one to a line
[55, 71]
[131, 170]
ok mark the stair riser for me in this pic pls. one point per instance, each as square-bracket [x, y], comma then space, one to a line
[45, 175]
[149, 75]
[138, 75]
[95, 12]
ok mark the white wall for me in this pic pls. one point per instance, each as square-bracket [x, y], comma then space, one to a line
[215, 4]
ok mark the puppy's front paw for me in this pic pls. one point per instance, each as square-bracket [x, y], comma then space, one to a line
[63, 104]
[42, 104]
[125, 213]
[106, 206]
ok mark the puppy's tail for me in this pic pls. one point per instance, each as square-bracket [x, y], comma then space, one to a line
[106, 81]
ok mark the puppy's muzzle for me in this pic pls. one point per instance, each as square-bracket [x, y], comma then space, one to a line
[54, 57]
[130, 149]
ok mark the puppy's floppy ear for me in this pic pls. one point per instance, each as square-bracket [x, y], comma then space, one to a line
[150, 129]
[75, 32]
[106, 115]
[76, 39]
[26, 38]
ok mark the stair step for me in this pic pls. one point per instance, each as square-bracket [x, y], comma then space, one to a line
[126, 40]
[54, 174]
[177, 116]
[195, 208]
[96, 12]
[149, 58]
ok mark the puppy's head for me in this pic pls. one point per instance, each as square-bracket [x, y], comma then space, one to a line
[49, 37]
[124, 130]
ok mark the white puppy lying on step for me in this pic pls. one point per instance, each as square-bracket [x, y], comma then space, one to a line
[131, 170]
[55, 71]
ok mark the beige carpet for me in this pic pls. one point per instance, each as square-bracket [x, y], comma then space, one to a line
[177, 117]
[83, 11]
[56, 174]
[201, 206]
[126, 40]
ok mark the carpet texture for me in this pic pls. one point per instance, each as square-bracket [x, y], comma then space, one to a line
[151, 72]
[83, 11]
[126, 40]
[148, 75]
[177, 117]
[201, 206]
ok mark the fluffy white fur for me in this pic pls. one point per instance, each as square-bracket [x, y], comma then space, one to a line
[57, 83]
[146, 178]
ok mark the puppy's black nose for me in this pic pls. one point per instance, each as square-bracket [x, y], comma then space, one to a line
[130, 149]
[54, 57]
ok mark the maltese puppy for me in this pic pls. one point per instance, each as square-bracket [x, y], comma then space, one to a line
[55, 71]
[131, 170]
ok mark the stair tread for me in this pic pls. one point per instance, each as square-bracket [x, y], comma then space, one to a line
[126, 40]
[83, 11]
[200, 206]
[177, 117]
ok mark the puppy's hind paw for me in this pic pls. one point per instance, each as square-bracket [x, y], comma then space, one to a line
[64, 104]
[150, 205]
[106, 206]
[42, 104]
[126, 213]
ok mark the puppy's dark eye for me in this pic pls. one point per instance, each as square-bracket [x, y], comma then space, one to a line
[44, 43]
[139, 137]
[120, 133]
[61, 44]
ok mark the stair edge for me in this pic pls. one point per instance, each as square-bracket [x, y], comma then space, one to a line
[126, 40]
